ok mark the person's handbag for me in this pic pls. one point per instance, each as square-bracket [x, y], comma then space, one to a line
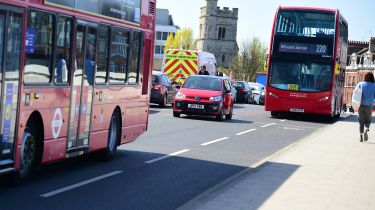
[357, 96]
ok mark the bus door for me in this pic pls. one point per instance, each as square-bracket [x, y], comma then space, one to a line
[82, 87]
[11, 25]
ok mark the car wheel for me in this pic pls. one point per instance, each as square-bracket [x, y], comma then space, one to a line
[249, 101]
[229, 116]
[176, 114]
[163, 102]
[221, 115]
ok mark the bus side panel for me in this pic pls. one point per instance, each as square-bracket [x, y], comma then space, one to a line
[133, 107]
[53, 106]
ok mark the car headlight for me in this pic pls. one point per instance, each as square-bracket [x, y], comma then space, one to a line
[180, 95]
[216, 98]
[262, 93]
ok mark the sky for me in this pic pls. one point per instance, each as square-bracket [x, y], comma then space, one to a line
[255, 17]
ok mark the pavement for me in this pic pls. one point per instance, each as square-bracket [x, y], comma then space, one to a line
[329, 169]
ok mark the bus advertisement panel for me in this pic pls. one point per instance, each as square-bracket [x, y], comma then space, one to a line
[307, 61]
[73, 79]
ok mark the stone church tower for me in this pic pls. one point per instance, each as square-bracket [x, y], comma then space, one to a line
[218, 32]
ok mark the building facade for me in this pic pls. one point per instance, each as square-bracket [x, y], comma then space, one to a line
[360, 62]
[218, 32]
[164, 26]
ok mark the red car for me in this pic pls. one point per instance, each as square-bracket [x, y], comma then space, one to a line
[204, 95]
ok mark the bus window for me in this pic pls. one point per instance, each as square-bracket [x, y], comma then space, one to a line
[101, 71]
[119, 55]
[62, 65]
[2, 24]
[133, 73]
[39, 53]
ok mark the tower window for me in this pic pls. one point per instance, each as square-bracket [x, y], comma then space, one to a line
[223, 58]
[221, 33]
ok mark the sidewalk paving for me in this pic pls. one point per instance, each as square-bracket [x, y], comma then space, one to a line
[329, 169]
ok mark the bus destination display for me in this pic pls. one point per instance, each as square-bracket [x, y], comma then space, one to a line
[304, 48]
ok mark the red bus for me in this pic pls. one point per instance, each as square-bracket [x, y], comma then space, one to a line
[307, 60]
[74, 78]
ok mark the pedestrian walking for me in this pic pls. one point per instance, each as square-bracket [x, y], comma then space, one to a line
[365, 109]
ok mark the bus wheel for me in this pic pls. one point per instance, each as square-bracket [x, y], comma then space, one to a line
[113, 137]
[28, 156]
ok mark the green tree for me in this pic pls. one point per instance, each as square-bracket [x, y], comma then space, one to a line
[249, 60]
[183, 39]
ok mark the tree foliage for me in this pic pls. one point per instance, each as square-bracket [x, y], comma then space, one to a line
[249, 60]
[183, 39]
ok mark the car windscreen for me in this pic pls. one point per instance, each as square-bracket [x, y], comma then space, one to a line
[155, 79]
[239, 85]
[203, 83]
[301, 76]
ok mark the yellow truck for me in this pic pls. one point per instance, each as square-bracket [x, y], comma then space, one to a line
[180, 64]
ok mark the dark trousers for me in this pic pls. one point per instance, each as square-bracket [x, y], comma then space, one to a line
[364, 117]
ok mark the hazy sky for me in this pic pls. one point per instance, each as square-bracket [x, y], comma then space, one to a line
[256, 16]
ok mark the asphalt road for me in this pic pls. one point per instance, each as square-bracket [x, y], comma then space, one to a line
[175, 161]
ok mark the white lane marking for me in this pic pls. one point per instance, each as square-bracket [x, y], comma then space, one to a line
[282, 120]
[288, 128]
[80, 184]
[263, 126]
[214, 141]
[167, 156]
[243, 132]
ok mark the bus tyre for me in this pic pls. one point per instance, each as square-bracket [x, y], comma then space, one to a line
[28, 156]
[113, 137]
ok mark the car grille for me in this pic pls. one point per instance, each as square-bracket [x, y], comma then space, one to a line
[208, 108]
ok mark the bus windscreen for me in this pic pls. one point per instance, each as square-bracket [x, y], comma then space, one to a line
[301, 76]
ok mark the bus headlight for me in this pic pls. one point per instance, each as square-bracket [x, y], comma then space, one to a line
[180, 95]
[325, 98]
[273, 95]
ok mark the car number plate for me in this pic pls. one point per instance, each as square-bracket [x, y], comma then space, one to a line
[196, 106]
[297, 110]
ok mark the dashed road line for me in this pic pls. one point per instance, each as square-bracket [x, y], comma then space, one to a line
[243, 132]
[214, 141]
[167, 156]
[80, 184]
[263, 126]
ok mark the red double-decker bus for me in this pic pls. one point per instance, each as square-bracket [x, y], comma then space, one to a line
[74, 78]
[307, 60]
